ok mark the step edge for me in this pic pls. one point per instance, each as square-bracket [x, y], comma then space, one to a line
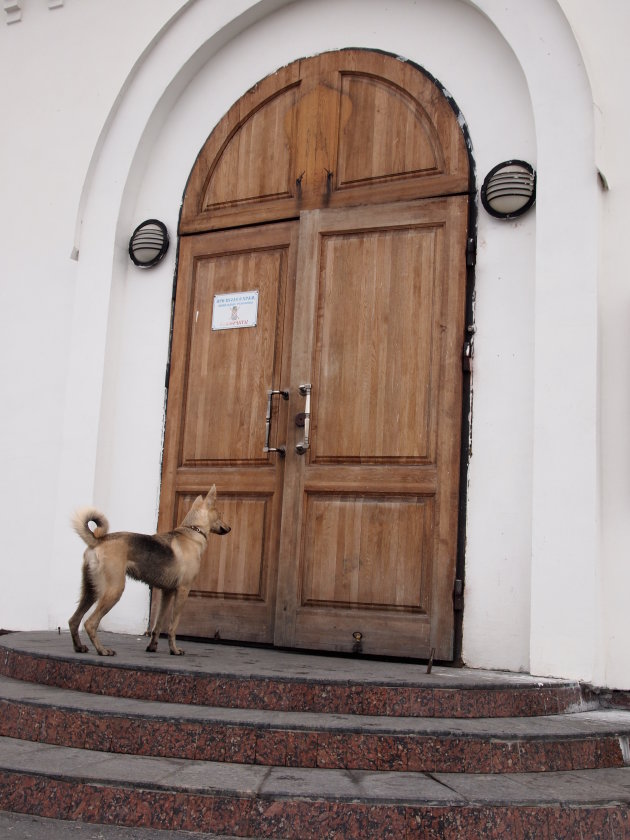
[505, 680]
[270, 782]
[493, 728]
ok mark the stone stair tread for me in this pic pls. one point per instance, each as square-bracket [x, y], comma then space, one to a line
[590, 788]
[599, 722]
[204, 746]
[246, 662]
[29, 827]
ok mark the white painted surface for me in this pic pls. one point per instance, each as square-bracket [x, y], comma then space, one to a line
[60, 77]
[544, 589]
[602, 34]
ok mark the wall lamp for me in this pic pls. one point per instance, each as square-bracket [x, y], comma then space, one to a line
[509, 189]
[148, 243]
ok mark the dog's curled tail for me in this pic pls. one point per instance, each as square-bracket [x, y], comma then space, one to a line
[80, 522]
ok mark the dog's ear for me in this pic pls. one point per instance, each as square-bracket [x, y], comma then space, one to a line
[212, 494]
[198, 501]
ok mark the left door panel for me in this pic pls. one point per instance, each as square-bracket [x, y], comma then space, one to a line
[215, 425]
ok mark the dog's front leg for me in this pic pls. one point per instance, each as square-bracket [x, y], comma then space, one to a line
[166, 599]
[180, 599]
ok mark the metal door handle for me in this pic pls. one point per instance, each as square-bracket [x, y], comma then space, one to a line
[281, 450]
[301, 448]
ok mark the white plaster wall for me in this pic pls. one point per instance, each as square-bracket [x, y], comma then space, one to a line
[604, 48]
[533, 574]
[60, 78]
[565, 563]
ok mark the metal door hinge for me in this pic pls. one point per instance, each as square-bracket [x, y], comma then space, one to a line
[467, 355]
[471, 252]
[458, 595]
[468, 350]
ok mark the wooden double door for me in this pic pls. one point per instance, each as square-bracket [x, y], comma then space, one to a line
[346, 538]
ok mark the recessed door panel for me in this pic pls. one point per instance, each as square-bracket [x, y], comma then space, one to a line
[374, 340]
[366, 552]
[228, 368]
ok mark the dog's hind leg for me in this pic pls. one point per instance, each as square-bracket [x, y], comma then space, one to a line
[180, 599]
[108, 599]
[166, 599]
[87, 598]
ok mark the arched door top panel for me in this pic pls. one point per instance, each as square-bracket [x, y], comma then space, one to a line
[340, 129]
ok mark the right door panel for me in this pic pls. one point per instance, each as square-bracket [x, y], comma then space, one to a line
[370, 511]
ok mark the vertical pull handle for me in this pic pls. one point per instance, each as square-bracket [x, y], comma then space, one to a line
[281, 450]
[301, 448]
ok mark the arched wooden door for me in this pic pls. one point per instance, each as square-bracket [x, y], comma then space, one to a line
[323, 241]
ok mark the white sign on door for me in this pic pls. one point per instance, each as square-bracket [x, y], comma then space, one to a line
[235, 311]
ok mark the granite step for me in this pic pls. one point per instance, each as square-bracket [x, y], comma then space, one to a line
[230, 741]
[255, 801]
[27, 827]
[273, 680]
[583, 740]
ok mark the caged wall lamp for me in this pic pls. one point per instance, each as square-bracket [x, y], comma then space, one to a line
[509, 189]
[148, 243]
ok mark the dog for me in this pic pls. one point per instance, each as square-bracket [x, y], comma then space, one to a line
[170, 562]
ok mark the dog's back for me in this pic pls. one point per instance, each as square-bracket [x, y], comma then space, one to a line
[151, 559]
[147, 558]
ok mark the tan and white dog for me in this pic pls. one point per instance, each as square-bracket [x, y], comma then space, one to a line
[170, 562]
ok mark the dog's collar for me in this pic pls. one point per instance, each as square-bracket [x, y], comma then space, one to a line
[197, 529]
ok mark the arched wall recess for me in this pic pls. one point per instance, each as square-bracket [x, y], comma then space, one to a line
[156, 130]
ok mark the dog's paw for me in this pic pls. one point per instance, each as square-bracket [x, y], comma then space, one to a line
[177, 652]
[151, 648]
[81, 648]
[107, 652]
